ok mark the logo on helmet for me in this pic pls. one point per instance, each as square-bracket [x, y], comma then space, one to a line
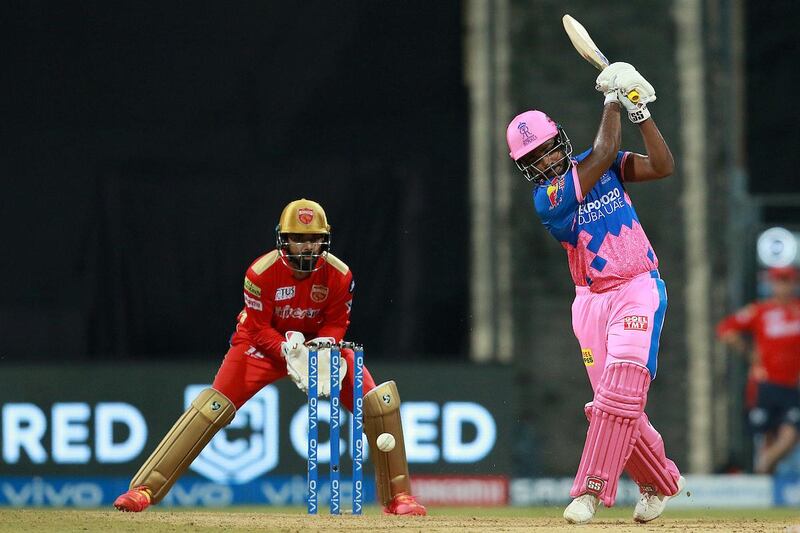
[305, 215]
[527, 136]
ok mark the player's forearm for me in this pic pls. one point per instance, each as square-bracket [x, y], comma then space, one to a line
[268, 340]
[609, 135]
[658, 153]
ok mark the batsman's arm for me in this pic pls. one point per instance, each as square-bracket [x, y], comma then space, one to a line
[604, 149]
[657, 164]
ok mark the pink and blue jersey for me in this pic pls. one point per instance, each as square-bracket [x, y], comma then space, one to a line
[605, 243]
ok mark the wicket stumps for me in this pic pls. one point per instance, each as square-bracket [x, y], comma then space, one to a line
[335, 426]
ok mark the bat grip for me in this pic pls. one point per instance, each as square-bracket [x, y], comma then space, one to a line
[633, 96]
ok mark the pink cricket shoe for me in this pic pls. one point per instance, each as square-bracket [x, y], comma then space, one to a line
[135, 500]
[405, 504]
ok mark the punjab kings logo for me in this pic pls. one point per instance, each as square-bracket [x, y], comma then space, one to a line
[248, 447]
[305, 215]
[319, 293]
[527, 136]
[595, 484]
[635, 323]
[588, 357]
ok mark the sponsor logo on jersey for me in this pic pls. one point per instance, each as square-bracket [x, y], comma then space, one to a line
[319, 293]
[252, 288]
[305, 215]
[284, 293]
[252, 303]
[588, 356]
[595, 484]
[555, 191]
[636, 323]
[607, 204]
[287, 311]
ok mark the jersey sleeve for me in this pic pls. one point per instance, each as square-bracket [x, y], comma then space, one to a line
[743, 320]
[336, 316]
[619, 164]
[259, 303]
[557, 202]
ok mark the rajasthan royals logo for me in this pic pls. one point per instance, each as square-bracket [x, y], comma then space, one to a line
[305, 215]
[527, 136]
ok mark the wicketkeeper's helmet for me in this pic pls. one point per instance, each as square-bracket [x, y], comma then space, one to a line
[305, 217]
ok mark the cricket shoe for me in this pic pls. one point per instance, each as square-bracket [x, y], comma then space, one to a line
[582, 509]
[405, 504]
[652, 503]
[134, 501]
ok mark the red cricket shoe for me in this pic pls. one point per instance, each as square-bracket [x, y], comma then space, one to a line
[134, 501]
[405, 504]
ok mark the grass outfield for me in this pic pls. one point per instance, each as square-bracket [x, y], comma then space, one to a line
[248, 519]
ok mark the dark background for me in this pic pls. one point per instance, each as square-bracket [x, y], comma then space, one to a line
[149, 152]
[773, 76]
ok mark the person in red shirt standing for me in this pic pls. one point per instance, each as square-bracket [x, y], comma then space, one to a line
[297, 291]
[774, 325]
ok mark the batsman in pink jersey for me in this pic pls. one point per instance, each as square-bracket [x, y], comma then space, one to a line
[620, 300]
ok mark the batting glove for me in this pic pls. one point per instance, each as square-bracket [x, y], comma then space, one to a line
[605, 82]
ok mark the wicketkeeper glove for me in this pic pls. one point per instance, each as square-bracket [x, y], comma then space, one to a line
[324, 366]
[295, 352]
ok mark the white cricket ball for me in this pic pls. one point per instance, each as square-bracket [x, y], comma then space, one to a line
[385, 442]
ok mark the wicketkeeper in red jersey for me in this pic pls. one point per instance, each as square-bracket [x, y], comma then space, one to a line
[297, 293]
[774, 325]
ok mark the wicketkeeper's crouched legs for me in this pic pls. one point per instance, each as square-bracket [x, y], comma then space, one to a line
[613, 430]
[208, 413]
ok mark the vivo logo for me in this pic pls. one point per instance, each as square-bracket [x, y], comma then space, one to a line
[38, 492]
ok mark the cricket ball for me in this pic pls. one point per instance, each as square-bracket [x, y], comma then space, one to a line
[385, 442]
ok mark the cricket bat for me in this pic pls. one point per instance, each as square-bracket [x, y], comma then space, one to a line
[587, 49]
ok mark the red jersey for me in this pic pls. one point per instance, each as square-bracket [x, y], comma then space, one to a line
[775, 328]
[276, 302]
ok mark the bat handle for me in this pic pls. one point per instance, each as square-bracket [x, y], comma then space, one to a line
[633, 96]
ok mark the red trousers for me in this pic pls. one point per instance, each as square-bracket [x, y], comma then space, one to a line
[245, 371]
